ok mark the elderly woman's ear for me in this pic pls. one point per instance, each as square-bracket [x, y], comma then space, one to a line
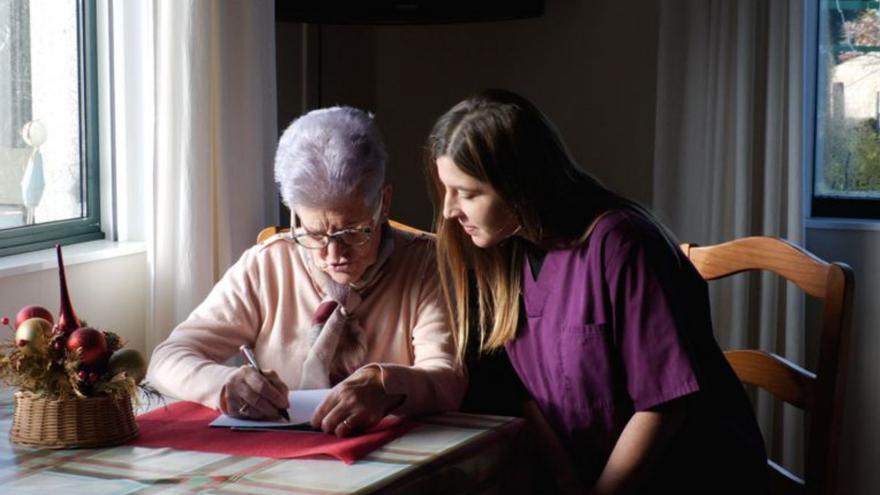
[387, 193]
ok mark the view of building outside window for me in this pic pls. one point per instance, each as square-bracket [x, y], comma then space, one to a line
[40, 145]
[848, 106]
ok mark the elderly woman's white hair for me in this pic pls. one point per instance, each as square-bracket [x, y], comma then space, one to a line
[328, 156]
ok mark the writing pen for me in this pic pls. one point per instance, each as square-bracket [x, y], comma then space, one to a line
[252, 361]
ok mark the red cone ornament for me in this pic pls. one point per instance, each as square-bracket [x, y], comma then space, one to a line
[67, 320]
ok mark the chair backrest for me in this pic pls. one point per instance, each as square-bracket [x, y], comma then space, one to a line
[275, 229]
[820, 394]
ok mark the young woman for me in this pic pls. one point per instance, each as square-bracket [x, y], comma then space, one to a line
[605, 320]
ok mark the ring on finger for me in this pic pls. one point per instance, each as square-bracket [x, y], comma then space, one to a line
[243, 409]
[347, 423]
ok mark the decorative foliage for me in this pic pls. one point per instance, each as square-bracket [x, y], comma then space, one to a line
[67, 359]
[59, 373]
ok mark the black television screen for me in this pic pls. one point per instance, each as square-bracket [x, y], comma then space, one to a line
[404, 11]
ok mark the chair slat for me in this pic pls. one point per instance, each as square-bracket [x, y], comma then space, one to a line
[406, 228]
[268, 232]
[761, 253]
[779, 376]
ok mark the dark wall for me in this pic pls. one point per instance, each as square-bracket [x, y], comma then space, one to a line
[591, 66]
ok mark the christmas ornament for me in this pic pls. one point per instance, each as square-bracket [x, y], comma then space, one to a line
[33, 311]
[129, 361]
[67, 320]
[66, 396]
[90, 343]
[31, 334]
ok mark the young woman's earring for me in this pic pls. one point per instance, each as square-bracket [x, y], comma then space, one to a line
[513, 233]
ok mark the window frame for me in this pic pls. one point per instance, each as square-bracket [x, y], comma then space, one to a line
[823, 206]
[44, 235]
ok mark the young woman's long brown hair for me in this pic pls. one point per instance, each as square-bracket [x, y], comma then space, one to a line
[500, 138]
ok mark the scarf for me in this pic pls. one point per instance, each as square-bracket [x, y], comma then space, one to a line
[337, 342]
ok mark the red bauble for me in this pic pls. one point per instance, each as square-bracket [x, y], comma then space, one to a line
[29, 312]
[90, 342]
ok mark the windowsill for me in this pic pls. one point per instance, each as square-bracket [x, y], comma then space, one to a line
[821, 223]
[86, 252]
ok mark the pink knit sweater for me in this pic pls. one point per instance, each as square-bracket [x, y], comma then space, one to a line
[267, 300]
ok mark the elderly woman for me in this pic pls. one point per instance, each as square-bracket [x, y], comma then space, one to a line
[344, 300]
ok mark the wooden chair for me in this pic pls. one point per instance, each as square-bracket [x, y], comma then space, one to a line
[275, 229]
[819, 394]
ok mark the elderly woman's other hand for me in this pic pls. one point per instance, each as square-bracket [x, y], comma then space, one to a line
[355, 404]
[249, 394]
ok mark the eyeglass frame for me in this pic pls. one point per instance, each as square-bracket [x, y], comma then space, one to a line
[338, 235]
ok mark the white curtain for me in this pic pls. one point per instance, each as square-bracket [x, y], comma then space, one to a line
[214, 140]
[729, 163]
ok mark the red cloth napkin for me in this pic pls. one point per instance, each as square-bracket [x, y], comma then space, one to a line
[184, 426]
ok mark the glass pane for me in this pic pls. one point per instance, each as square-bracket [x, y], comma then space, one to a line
[40, 153]
[848, 106]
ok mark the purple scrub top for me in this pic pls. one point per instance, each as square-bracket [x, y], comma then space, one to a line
[619, 324]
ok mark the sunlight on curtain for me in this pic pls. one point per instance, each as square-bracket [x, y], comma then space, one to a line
[729, 163]
[215, 137]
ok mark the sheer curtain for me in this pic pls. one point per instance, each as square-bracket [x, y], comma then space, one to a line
[215, 132]
[728, 163]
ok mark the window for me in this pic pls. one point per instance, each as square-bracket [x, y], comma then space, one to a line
[48, 124]
[846, 178]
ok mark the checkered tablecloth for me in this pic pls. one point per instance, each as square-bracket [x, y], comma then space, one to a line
[449, 453]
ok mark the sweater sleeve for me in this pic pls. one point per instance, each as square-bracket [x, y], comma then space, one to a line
[189, 364]
[435, 382]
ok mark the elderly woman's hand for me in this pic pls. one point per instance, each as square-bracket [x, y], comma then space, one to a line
[355, 404]
[249, 394]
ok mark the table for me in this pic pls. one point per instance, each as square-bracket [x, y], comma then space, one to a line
[449, 454]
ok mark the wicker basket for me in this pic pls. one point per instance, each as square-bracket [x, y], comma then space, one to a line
[72, 423]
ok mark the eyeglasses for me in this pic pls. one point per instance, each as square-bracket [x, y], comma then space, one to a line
[350, 237]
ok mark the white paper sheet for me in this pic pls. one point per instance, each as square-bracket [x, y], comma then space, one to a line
[302, 406]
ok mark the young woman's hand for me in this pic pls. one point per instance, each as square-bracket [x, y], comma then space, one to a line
[248, 394]
[355, 404]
